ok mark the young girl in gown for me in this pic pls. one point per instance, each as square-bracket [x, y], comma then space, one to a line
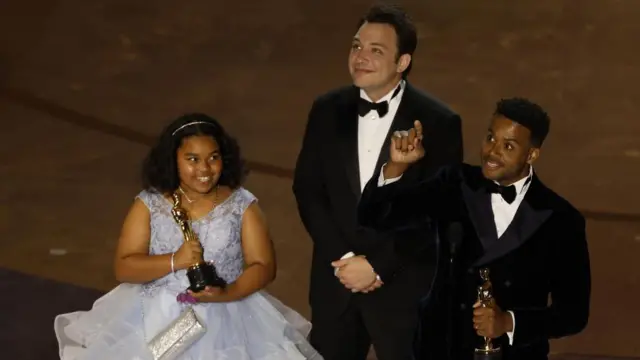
[196, 159]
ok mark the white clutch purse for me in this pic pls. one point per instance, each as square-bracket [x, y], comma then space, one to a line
[178, 336]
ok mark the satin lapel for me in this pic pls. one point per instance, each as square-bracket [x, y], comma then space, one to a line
[478, 203]
[531, 214]
[348, 125]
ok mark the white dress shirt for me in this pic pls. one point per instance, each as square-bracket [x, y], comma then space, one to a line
[503, 214]
[372, 132]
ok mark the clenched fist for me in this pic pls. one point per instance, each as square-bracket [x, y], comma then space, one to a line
[189, 253]
[406, 146]
[405, 149]
[491, 321]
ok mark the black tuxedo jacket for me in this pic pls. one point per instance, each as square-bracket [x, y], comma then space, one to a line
[542, 255]
[327, 190]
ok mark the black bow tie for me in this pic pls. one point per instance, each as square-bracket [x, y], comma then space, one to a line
[508, 192]
[365, 106]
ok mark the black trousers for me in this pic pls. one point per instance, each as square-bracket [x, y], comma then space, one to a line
[348, 336]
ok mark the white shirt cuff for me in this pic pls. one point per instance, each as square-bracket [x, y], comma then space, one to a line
[382, 181]
[510, 334]
[345, 256]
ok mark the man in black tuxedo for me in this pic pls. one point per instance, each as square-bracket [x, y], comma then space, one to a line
[365, 287]
[532, 240]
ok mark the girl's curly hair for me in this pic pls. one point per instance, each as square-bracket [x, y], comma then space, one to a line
[160, 167]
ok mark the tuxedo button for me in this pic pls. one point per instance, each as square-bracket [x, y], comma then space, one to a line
[507, 283]
[463, 306]
[470, 271]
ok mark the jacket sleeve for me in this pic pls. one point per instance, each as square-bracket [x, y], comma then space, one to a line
[412, 197]
[570, 287]
[310, 192]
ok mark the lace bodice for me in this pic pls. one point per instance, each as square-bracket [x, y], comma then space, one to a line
[219, 232]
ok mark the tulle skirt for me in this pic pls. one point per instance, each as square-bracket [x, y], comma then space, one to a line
[121, 323]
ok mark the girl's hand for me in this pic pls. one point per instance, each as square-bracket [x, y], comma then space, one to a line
[209, 294]
[189, 253]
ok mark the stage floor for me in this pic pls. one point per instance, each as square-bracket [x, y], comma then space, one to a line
[85, 86]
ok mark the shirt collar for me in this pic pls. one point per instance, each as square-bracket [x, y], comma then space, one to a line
[523, 184]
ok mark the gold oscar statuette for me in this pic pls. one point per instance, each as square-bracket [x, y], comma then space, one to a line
[201, 274]
[485, 296]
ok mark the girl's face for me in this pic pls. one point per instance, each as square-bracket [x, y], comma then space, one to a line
[199, 163]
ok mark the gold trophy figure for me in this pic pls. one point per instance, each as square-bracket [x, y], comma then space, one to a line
[485, 297]
[200, 274]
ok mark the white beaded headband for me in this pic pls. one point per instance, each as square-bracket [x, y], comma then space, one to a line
[189, 124]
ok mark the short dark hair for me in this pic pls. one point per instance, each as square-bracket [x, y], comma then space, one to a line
[528, 114]
[394, 15]
[160, 167]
